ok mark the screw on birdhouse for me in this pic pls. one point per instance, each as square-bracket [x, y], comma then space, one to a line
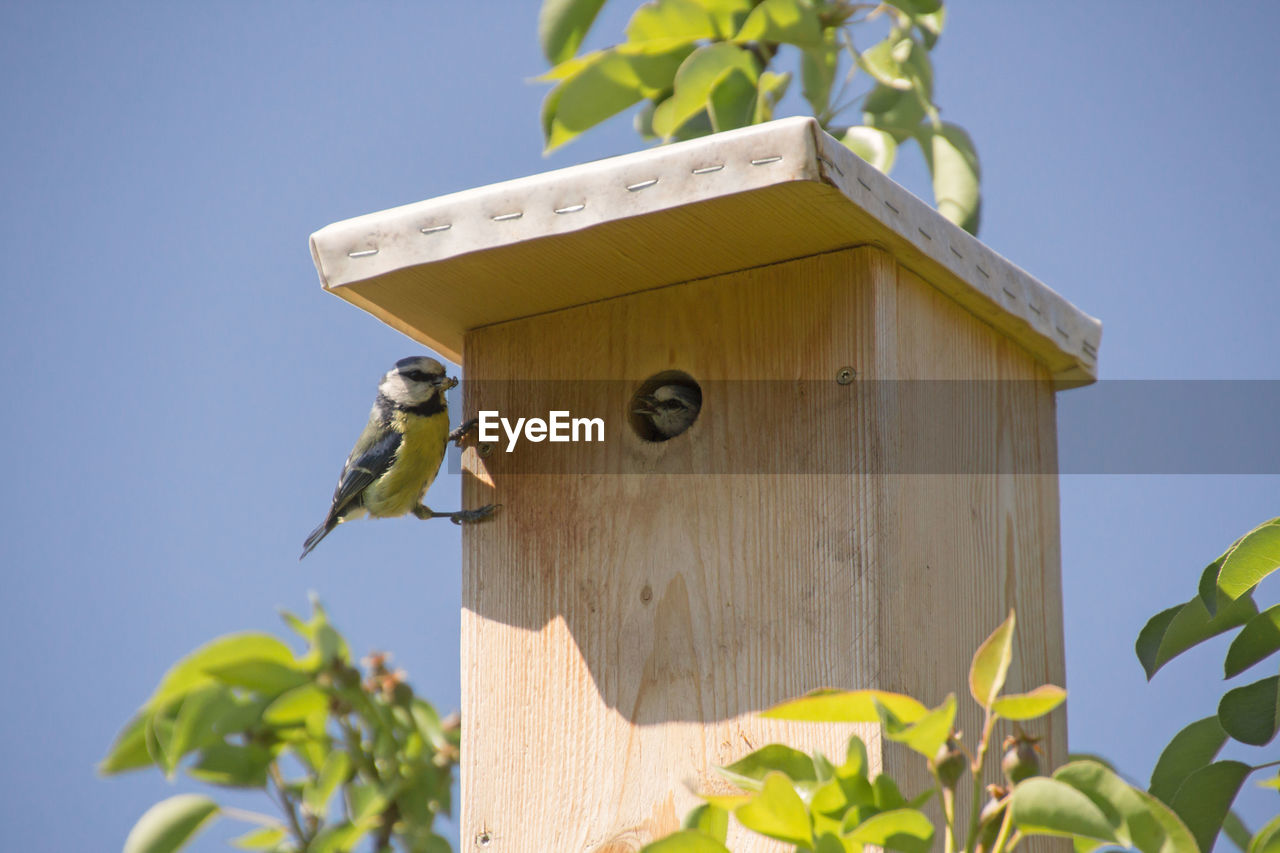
[484, 448]
[706, 170]
[642, 185]
[436, 229]
[507, 217]
[664, 406]
[845, 375]
[484, 838]
[765, 161]
[573, 208]
[363, 253]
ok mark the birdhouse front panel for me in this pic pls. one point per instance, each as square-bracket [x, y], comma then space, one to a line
[639, 601]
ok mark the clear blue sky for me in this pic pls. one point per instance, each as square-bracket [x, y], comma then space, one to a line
[179, 391]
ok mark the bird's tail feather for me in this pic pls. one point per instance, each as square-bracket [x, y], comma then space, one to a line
[316, 535]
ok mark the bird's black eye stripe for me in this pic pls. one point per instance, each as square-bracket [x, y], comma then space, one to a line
[416, 375]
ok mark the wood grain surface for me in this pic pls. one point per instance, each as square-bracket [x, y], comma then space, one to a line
[634, 604]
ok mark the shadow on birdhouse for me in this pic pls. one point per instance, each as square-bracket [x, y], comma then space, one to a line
[664, 406]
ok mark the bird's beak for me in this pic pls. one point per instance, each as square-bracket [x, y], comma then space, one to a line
[645, 405]
[448, 382]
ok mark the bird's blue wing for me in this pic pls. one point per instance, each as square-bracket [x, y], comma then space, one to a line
[365, 465]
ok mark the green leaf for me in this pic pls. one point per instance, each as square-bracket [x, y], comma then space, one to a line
[170, 824]
[1236, 831]
[192, 671]
[846, 706]
[788, 21]
[1249, 713]
[264, 838]
[877, 147]
[1267, 839]
[1255, 556]
[991, 663]
[1171, 632]
[930, 26]
[261, 676]
[427, 722]
[338, 839]
[855, 754]
[834, 798]
[306, 704]
[330, 646]
[1136, 818]
[1188, 751]
[886, 793]
[884, 61]
[709, 820]
[901, 64]
[610, 82]
[850, 787]
[365, 801]
[818, 66]
[752, 769]
[1205, 797]
[957, 177]
[694, 80]
[917, 7]
[316, 795]
[159, 734]
[196, 723]
[302, 629]
[563, 24]
[685, 841]
[1208, 584]
[129, 750]
[926, 734]
[907, 830]
[732, 103]
[684, 20]
[896, 113]
[232, 765]
[777, 812]
[1258, 640]
[1028, 706]
[1044, 806]
[727, 14]
[771, 87]
[829, 843]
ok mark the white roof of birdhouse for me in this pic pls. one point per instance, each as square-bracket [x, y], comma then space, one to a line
[763, 194]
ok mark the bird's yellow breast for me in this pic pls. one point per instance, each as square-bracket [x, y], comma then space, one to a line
[417, 461]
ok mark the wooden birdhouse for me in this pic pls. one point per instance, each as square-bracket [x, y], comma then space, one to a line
[868, 487]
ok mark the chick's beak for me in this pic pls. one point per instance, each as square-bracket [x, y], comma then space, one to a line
[645, 405]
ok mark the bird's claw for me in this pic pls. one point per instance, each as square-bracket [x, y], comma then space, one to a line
[471, 516]
[463, 431]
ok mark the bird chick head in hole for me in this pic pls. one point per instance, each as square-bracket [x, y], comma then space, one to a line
[669, 409]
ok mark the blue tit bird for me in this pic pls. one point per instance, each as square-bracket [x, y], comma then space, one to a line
[399, 453]
[669, 409]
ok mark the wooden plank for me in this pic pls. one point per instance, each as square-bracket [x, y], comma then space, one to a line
[635, 604]
[973, 515]
[755, 196]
